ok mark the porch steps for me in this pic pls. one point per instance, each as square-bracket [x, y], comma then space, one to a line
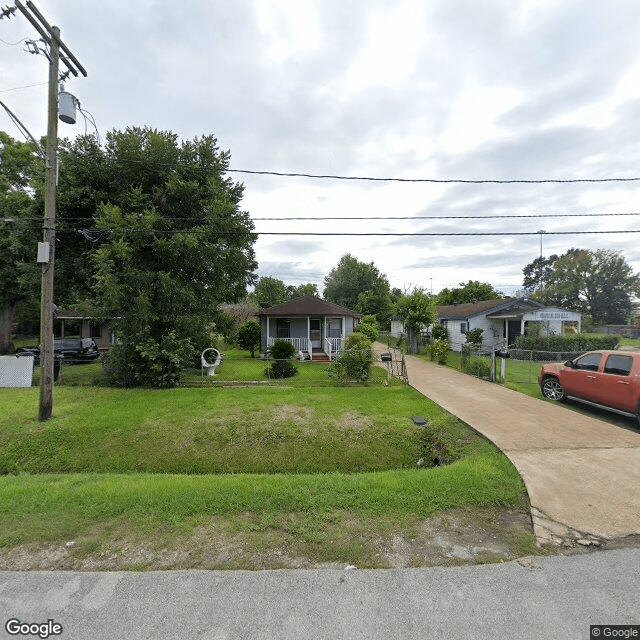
[319, 356]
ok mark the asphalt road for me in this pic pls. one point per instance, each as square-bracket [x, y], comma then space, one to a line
[542, 598]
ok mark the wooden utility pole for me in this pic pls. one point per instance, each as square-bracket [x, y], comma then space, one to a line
[50, 35]
[46, 304]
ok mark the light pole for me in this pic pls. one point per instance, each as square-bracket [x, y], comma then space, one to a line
[541, 232]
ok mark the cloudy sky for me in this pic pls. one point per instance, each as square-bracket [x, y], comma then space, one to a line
[432, 90]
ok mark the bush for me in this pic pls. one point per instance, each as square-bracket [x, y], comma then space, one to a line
[478, 367]
[281, 369]
[354, 361]
[282, 352]
[249, 335]
[439, 351]
[147, 363]
[439, 332]
[370, 331]
[565, 343]
[474, 336]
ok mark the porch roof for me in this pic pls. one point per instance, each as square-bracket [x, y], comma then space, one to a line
[308, 306]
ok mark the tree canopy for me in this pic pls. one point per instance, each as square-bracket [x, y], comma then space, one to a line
[168, 242]
[599, 283]
[271, 291]
[359, 286]
[472, 291]
[20, 229]
[417, 311]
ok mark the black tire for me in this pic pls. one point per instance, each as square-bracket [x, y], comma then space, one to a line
[552, 389]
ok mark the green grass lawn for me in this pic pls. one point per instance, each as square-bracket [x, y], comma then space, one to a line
[315, 465]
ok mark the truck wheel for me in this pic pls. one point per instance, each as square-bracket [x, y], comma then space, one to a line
[552, 389]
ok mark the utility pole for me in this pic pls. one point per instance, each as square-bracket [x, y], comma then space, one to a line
[46, 298]
[46, 251]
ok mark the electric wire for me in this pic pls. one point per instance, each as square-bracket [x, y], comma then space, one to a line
[370, 178]
[443, 217]
[26, 86]
[434, 180]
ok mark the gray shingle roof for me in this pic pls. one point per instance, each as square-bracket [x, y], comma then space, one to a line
[308, 306]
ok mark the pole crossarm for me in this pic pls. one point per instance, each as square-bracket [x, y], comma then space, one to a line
[46, 33]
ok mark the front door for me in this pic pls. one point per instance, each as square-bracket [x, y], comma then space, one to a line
[315, 333]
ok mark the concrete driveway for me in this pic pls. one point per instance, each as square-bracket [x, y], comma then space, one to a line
[582, 474]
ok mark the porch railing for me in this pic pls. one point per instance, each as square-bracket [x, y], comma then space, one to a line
[332, 346]
[300, 344]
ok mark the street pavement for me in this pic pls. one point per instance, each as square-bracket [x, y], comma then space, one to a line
[582, 474]
[534, 598]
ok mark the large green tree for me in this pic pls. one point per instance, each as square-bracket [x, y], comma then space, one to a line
[20, 230]
[599, 283]
[172, 244]
[472, 291]
[269, 292]
[359, 286]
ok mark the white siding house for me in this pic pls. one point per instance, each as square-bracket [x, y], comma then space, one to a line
[503, 320]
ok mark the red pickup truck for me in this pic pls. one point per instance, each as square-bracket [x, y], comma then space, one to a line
[608, 379]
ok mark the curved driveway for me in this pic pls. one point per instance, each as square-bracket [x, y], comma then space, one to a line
[582, 474]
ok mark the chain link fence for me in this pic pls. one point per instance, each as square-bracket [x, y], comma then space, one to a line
[384, 368]
[523, 366]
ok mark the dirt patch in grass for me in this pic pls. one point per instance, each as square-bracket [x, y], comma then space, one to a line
[293, 541]
[353, 420]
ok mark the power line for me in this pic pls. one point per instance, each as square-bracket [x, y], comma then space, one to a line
[476, 217]
[369, 178]
[347, 233]
[470, 217]
[26, 86]
[12, 44]
[432, 180]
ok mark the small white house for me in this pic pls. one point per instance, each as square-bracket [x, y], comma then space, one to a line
[315, 327]
[503, 320]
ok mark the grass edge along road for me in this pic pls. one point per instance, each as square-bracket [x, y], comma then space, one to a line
[104, 512]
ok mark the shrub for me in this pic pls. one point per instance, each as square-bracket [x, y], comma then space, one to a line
[370, 331]
[474, 336]
[282, 352]
[249, 336]
[478, 367]
[439, 332]
[147, 363]
[439, 351]
[566, 342]
[281, 369]
[354, 361]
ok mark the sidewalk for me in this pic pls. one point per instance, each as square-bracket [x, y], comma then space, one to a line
[582, 474]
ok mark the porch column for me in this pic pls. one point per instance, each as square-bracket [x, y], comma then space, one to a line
[266, 342]
[342, 329]
[522, 326]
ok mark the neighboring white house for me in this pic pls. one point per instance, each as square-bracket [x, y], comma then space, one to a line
[503, 320]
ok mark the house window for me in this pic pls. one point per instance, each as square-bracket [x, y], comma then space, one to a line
[464, 326]
[283, 328]
[334, 328]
